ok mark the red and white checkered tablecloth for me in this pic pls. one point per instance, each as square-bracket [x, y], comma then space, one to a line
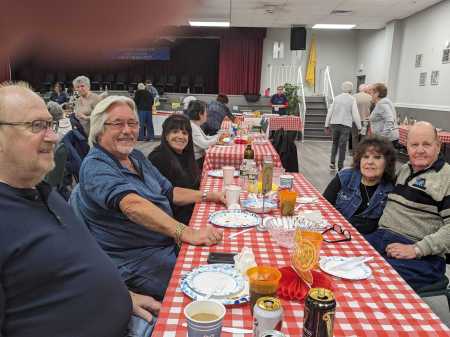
[288, 123]
[222, 155]
[403, 130]
[381, 306]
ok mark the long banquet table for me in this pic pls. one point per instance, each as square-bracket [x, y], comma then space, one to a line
[383, 305]
[288, 123]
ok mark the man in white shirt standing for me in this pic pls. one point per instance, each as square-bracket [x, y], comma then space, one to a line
[341, 114]
[363, 102]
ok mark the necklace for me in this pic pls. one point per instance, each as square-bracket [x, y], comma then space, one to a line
[367, 194]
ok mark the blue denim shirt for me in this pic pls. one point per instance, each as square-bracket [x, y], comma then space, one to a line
[349, 197]
[134, 249]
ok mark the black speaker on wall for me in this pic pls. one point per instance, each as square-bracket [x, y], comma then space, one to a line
[298, 38]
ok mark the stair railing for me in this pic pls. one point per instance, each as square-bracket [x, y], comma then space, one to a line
[327, 87]
[302, 103]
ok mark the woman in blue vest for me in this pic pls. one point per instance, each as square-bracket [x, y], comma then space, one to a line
[360, 193]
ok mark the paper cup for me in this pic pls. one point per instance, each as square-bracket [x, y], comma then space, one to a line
[204, 318]
[232, 193]
[228, 175]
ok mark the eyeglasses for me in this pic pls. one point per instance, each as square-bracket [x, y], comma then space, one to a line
[36, 126]
[337, 229]
[118, 125]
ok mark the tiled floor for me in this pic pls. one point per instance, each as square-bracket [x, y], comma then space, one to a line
[313, 163]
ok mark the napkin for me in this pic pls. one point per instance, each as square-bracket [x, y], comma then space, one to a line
[293, 288]
[244, 260]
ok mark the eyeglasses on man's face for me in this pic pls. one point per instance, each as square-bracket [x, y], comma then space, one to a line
[119, 125]
[339, 230]
[36, 126]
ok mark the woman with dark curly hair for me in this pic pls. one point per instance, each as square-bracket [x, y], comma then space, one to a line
[360, 193]
[174, 158]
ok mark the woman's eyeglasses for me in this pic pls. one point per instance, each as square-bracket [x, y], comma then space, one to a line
[339, 230]
[36, 126]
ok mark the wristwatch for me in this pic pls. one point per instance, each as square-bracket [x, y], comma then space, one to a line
[204, 194]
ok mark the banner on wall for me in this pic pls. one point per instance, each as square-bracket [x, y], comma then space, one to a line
[312, 60]
[144, 54]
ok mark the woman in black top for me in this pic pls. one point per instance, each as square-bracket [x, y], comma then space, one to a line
[174, 158]
[360, 193]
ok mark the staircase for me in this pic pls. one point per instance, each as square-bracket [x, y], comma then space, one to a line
[316, 112]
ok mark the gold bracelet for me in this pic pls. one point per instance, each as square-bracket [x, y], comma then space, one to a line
[179, 229]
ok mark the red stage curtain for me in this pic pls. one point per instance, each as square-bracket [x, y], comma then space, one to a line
[240, 60]
[5, 70]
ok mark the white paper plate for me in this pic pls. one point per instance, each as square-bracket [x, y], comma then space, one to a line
[307, 200]
[219, 173]
[256, 205]
[217, 280]
[360, 272]
[234, 219]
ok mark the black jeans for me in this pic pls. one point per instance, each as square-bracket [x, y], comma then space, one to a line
[339, 134]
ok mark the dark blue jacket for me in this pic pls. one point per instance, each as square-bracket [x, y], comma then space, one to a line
[349, 197]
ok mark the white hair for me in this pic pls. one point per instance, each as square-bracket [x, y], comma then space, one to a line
[100, 114]
[55, 110]
[347, 86]
[188, 100]
[141, 86]
[82, 80]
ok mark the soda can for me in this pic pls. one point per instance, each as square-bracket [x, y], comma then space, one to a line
[267, 315]
[273, 333]
[286, 181]
[320, 307]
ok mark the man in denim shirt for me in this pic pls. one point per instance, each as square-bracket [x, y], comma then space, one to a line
[125, 201]
[217, 111]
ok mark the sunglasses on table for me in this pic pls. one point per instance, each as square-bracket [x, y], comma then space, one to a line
[339, 230]
[36, 126]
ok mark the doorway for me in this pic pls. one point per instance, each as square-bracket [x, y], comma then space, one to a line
[361, 79]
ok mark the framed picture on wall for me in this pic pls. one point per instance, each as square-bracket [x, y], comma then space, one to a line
[434, 79]
[446, 56]
[422, 79]
[419, 60]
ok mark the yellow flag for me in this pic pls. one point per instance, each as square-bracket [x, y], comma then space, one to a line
[312, 60]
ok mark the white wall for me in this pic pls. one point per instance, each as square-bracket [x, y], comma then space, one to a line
[334, 48]
[371, 51]
[425, 33]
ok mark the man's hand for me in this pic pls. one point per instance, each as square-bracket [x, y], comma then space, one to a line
[216, 197]
[144, 306]
[327, 130]
[401, 251]
[207, 236]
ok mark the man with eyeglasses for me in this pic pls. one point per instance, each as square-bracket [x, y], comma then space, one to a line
[55, 280]
[126, 202]
[414, 233]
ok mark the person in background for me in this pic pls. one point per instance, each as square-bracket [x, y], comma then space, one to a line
[342, 113]
[57, 113]
[175, 159]
[144, 103]
[360, 192]
[186, 101]
[198, 115]
[383, 118]
[217, 111]
[86, 101]
[58, 94]
[54, 276]
[125, 201]
[279, 101]
[414, 233]
[152, 90]
[363, 102]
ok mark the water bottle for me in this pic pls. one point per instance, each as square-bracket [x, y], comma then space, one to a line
[243, 174]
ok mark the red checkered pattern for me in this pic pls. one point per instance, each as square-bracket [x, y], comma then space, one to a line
[218, 156]
[403, 134]
[288, 123]
[383, 305]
